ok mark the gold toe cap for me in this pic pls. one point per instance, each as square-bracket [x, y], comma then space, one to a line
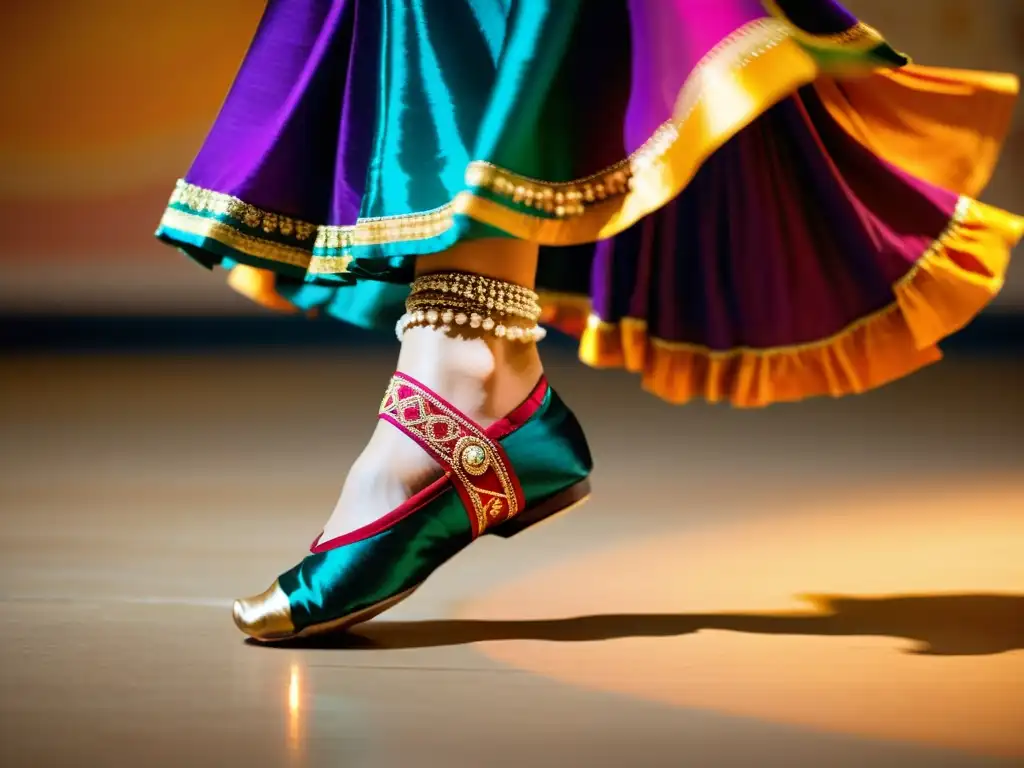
[265, 617]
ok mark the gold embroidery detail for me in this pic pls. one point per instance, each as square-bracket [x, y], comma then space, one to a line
[487, 505]
[493, 508]
[571, 198]
[224, 233]
[202, 203]
[329, 265]
[386, 229]
[201, 200]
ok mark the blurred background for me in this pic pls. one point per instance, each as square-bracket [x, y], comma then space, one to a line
[143, 485]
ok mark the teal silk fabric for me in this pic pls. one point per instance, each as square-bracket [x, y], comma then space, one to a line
[461, 82]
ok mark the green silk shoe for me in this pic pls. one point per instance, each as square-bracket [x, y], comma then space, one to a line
[531, 465]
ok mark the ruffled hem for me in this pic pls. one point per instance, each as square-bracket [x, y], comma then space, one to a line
[953, 281]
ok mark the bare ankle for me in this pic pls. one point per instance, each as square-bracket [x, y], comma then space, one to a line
[484, 377]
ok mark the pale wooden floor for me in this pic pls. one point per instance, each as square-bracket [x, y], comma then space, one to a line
[657, 626]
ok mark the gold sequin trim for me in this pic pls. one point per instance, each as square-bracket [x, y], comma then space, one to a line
[449, 434]
[203, 203]
[203, 200]
[329, 265]
[386, 229]
[571, 198]
[224, 233]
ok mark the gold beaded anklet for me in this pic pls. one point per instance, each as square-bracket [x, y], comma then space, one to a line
[444, 300]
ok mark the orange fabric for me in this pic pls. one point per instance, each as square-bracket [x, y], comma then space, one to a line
[951, 283]
[258, 285]
[944, 126]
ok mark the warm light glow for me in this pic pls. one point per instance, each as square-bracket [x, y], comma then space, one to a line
[293, 692]
[915, 634]
[295, 712]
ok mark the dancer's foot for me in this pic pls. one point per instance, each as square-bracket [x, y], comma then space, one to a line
[485, 378]
[525, 467]
[471, 441]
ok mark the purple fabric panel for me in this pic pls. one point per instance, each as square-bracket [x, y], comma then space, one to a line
[355, 137]
[280, 120]
[904, 214]
[764, 270]
[669, 37]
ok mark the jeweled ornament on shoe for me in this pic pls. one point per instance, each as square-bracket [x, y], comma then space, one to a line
[523, 469]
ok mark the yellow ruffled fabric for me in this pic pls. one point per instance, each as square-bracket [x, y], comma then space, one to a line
[962, 271]
[944, 126]
[259, 285]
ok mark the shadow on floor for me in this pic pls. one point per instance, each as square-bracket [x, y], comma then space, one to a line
[941, 625]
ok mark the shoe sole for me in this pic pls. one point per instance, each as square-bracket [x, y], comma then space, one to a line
[552, 507]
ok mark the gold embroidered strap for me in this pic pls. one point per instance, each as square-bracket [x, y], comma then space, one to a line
[476, 464]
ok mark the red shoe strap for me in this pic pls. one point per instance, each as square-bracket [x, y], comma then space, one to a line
[477, 465]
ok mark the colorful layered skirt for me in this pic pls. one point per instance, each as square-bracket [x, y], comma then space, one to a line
[741, 201]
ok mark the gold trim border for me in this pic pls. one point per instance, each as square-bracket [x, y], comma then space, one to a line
[225, 234]
[199, 200]
[205, 204]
